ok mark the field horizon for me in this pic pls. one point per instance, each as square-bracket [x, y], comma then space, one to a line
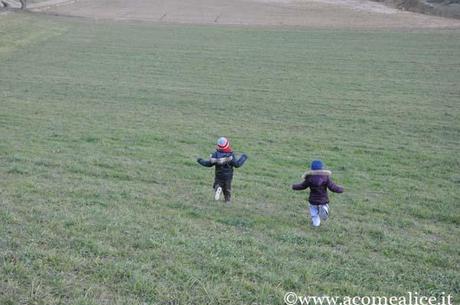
[330, 14]
[102, 201]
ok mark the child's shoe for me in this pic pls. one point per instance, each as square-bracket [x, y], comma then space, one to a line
[218, 192]
[315, 221]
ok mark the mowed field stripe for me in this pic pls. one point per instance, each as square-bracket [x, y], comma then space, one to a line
[102, 200]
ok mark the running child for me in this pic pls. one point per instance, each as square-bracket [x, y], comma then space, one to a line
[224, 160]
[319, 181]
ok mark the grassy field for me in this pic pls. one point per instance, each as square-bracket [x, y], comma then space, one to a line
[102, 202]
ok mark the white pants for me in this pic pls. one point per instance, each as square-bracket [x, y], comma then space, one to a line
[318, 212]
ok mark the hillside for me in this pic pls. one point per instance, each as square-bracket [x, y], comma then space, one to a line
[443, 8]
[102, 201]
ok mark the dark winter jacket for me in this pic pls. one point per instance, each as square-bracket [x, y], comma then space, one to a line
[318, 182]
[224, 163]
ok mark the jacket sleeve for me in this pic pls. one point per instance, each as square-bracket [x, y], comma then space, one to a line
[204, 162]
[240, 161]
[300, 186]
[334, 187]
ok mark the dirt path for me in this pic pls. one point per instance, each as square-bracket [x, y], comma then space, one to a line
[305, 13]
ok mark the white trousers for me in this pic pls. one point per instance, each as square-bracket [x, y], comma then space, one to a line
[318, 212]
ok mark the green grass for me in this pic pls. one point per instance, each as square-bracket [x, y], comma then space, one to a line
[102, 202]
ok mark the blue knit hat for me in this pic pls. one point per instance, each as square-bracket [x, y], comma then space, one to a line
[317, 164]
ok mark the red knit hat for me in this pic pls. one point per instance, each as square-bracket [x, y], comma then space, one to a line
[223, 144]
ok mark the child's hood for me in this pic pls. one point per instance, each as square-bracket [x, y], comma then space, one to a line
[319, 172]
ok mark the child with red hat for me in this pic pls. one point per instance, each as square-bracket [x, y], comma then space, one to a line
[224, 160]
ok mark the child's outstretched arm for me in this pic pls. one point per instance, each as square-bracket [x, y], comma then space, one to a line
[240, 161]
[204, 162]
[334, 187]
[300, 186]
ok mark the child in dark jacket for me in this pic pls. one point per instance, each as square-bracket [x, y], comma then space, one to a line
[319, 181]
[224, 160]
